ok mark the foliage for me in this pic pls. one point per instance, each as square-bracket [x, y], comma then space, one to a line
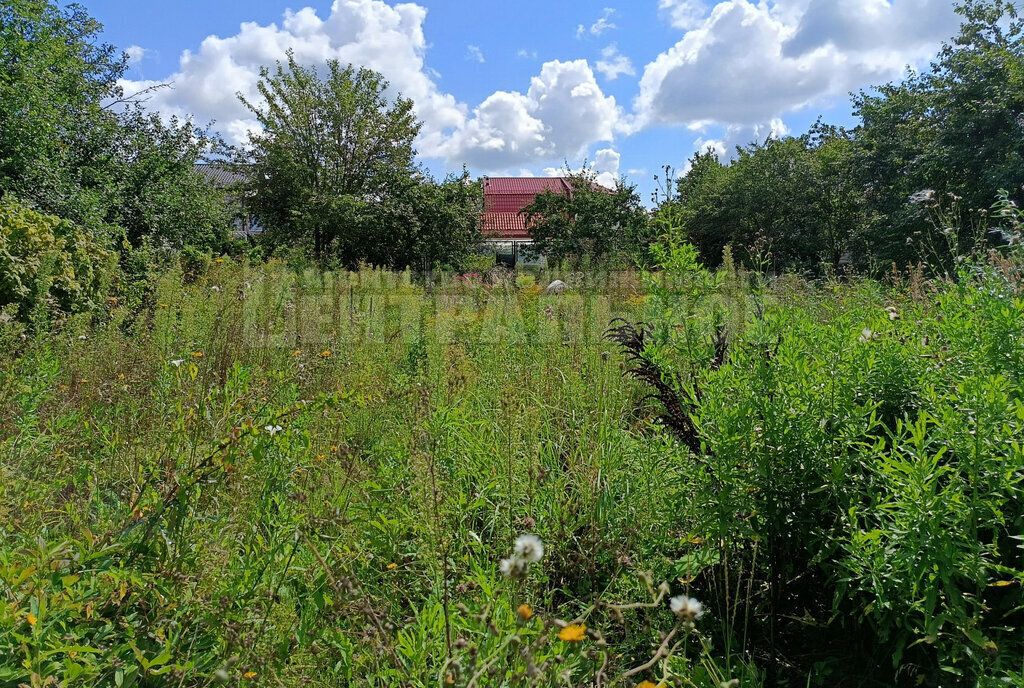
[590, 223]
[957, 129]
[793, 198]
[332, 172]
[74, 145]
[48, 264]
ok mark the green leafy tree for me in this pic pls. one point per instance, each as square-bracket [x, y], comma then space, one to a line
[956, 129]
[332, 169]
[590, 223]
[74, 145]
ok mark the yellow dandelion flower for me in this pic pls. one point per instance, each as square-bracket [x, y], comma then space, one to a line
[525, 612]
[296, 352]
[392, 566]
[325, 353]
[165, 305]
[646, 684]
[220, 260]
[249, 674]
[84, 380]
[573, 633]
[32, 619]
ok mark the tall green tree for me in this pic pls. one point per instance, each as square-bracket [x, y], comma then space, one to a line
[590, 223]
[956, 129]
[332, 168]
[74, 145]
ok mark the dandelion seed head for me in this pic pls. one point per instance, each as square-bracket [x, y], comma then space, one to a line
[513, 567]
[529, 548]
[686, 608]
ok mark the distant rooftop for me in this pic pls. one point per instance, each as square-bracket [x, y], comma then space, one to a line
[221, 175]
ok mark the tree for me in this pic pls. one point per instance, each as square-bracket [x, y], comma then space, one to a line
[590, 223]
[332, 168]
[72, 145]
[956, 129]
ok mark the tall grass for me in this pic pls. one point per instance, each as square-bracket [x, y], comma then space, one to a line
[271, 476]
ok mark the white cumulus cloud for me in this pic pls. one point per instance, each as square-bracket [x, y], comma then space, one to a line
[613, 63]
[368, 33]
[744, 64]
[562, 113]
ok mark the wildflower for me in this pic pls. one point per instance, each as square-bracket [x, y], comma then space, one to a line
[296, 352]
[81, 337]
[573, 633]
[325, 353]
[513, 567]
[530, 548]
[214, 288]
[221, 260]
[197, 354]
[686, 608]
[31, 618]
[893, 313]
[165, 305]
[865, 336]
[248, 674]
[84, 380]
[646, 684]
[273, 429]
[392, 566]
[177, 362]
[525, 612]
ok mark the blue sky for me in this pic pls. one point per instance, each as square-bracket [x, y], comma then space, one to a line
[521, 88]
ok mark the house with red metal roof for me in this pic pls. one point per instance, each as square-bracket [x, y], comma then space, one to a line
[504, 224]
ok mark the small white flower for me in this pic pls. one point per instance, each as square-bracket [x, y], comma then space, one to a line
[513, 567]
[81, 337]
[273, 429]
[214, 288]
[686, 608]
[177, 362]
[529, 548]
[866, 335]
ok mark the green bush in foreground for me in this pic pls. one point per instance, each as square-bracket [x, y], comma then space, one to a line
[48, 262]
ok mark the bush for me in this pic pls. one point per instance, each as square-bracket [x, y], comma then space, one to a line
[49, 262]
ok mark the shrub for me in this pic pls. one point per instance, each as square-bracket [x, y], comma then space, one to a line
[49, 262]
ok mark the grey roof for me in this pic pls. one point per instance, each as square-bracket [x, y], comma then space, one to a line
[221, 175]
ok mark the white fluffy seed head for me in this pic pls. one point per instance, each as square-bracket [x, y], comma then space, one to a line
[686, 608]
[513, 567]
[529, 548]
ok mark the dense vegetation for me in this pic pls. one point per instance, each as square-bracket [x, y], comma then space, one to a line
[341, 456]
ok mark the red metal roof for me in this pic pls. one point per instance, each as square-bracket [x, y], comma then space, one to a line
[505, 197]
[524, 185]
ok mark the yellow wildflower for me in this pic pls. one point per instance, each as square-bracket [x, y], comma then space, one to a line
[325, 353]
[297, 352]
[392, 566]
[525, 612]
[249, 674]
[197, 354]
[220, 260]
[32, 619]
[573, 633]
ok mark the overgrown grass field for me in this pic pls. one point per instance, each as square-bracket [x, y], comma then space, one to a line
[269, 476]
